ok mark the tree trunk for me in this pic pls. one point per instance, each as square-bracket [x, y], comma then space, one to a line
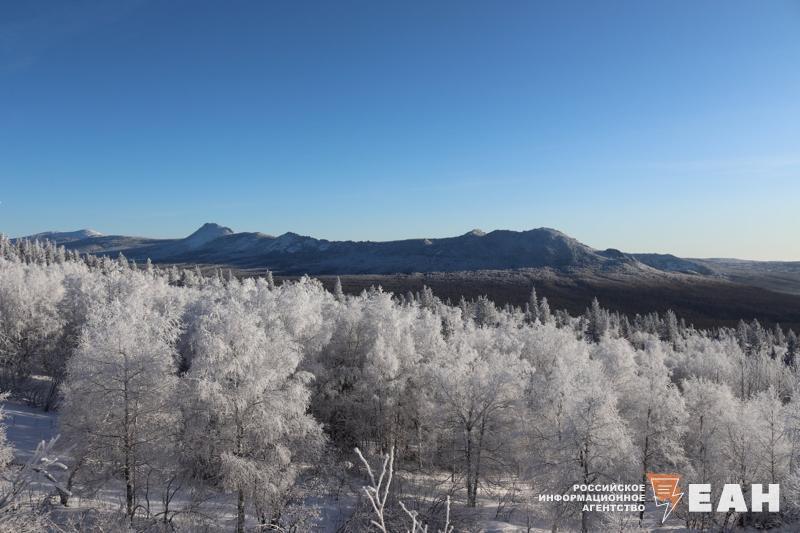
[585, 461]
[468, 460]
[453, 460]
[477, 474]
[52, 394]
[240, 499]
[645, 461]
[419, 446]
[127, 470]
[64, 496]
[240, 512]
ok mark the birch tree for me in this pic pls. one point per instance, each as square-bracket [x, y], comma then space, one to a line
[246, 404]
[656, 416]
[479, 381]
[119, 394]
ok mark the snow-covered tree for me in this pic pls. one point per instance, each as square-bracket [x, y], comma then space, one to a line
[772, 434]
[544, 311]
[30, 323]
[479, 381]
[337, 290]
[532, 309]
[246, 404]
[119, 394]
[597, 321]
[656, 415]
[575, 433]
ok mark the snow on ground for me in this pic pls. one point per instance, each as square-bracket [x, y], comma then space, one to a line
[27, 426]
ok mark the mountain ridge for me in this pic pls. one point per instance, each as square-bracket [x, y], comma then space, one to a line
[294, 254]
[61, 237]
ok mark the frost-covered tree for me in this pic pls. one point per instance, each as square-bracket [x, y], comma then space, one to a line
[484, 312]
[119, 393]
[246, 404]
[30, 323]
[595, 434]
[6, 450]
[575, 432]
[597, 321]
[479, 381]
[337, 290]
[544, 311]
[710, 412]
[532, 309]
[656, 415]
[672, 330]
[773, 435]
[366, 374]
[82, 292]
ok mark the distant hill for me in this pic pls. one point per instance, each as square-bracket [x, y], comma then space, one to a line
[62, 237]
[207, 233]
[291, 254]
[780, 276]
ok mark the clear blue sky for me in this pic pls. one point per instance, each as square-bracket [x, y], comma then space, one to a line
[646, 126]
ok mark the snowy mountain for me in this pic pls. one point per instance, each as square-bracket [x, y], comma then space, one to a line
[207, 233]
[291, 253]
[61, 237]
[542, 248]
[502, 264]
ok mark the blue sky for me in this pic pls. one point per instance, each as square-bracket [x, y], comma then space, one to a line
[646, 126]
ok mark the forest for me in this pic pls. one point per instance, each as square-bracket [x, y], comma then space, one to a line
[194, 400]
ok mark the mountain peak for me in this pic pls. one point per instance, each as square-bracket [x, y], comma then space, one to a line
[213, 226]
[207, 233]
[552, 232]
[476, 233]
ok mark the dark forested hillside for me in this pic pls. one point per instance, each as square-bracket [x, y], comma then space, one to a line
[701, 301]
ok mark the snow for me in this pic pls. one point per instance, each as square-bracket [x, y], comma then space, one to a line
[64, 236]
[27, 426]
[206, 233]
